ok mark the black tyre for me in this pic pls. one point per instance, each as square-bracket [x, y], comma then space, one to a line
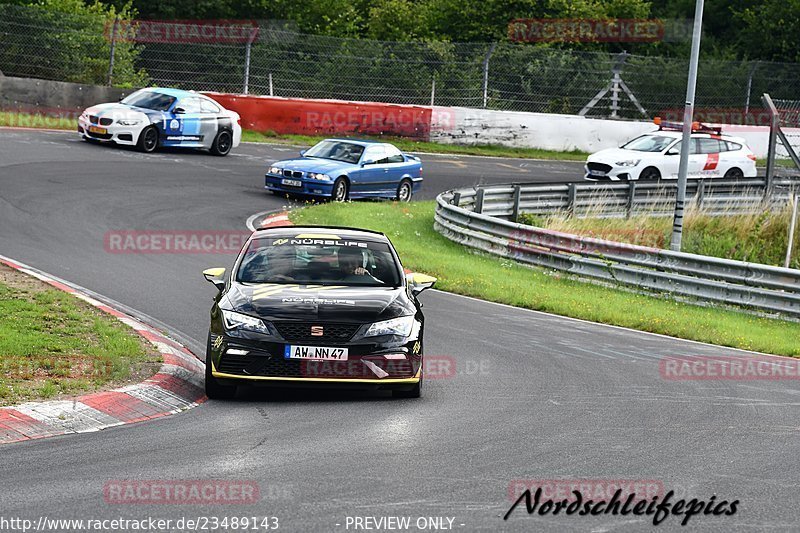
[734, 173]
[404, 191]
[650, 173]
[223, 143]
[148, 140]
[214, 390]
[340, 190]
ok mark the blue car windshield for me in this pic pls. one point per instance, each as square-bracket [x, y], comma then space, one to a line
[336, 150]
[150, 100]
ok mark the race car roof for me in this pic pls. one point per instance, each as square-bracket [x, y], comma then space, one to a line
[695, 134]
[334, 231]
[177, 93]
[356, 141]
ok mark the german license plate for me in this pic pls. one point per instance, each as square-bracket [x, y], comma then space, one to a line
[96, 129]
[292, 183]
[315, 353]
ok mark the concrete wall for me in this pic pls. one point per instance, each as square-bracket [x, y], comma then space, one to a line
[458, 125]
[53, 97]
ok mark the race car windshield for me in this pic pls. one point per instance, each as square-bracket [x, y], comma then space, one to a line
[336, 150]
[319, 261]
[649, 143]
[150, 100]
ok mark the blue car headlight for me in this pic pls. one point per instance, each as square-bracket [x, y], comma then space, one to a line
[315, 176]
[400, 326]
[275, 170]
[237, 321]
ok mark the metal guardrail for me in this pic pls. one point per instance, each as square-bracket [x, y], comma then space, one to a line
[474, 217]
[625, 199]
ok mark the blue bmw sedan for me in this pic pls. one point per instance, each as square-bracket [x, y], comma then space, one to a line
[343, 169]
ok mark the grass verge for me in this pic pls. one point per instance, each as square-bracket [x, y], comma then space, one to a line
[52, 344]
[758, 237]
[462, 271]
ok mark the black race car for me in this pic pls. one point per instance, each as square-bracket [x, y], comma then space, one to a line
[316, 306]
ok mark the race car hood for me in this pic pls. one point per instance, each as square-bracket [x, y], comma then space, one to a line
[273, 301]
[610, 156]
[117, 111]
[312, 164]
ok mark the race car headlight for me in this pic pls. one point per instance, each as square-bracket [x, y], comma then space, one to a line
[235, 321]
[628, 163]
[401, 326]
[275, 170]
[128, 121]
[315, 176]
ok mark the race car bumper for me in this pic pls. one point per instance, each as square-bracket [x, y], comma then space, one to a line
[387, 365]
[604, 172]
[111, 133]
[306, 186]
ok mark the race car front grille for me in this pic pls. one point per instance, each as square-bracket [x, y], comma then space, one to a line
[104, 136]
[93, 119]
[292, 173]
[602, 167]
[304, 331]
[106, 121]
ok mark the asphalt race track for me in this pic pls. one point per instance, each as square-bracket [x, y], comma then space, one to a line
[533, 396]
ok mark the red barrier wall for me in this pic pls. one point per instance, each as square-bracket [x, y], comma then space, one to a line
[328, 117]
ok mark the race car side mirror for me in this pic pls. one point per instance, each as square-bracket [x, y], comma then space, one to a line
[367, 162]
[179, 111]
[419, 282]
[673, 151]
[215, 276]
[303, 152]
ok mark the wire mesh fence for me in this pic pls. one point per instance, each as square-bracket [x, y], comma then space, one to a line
[38, 43]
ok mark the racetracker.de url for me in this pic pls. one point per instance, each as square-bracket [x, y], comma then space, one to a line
[148, 524]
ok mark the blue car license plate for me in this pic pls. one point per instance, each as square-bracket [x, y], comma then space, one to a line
[291, 183]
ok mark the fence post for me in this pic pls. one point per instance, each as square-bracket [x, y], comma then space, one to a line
[571, 197]
[773, 140]
[795, 199]
[433, 89]
[486, 75]
[113, 51]
[631, 195]
[749, 87]
[515, 199]
[270, 84]
[479, 192]
[247, 65]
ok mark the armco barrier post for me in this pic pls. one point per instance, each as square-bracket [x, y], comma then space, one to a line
[631, 195]
[456, 199]
[479, 192]
[515, 199]
[701, 193]
[572, 196]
